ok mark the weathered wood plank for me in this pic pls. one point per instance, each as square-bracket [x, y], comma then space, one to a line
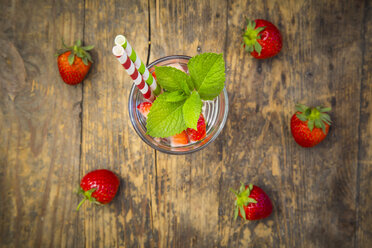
[39, 125]
[306, 185]
[108, 140]
[313, 189]
[321, 195]
[185, 202]
[364, 187]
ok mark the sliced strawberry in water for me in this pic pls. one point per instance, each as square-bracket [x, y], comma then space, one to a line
[144, 108]
[153, 74]
[179, 139]
[200, 133]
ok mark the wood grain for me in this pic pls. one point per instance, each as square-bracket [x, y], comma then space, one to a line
[312, 189]
[185, 187]
[51, 134]
[256, 146]
[108, 139]
[364, 183]
[39, 126]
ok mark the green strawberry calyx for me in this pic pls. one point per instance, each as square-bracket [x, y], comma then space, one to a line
[242, 199]
[315, 117]
[87, 196]
[251, 37]
[76, 50]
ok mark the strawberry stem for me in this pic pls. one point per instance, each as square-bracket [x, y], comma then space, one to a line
[242, 199]
[250, 37]
[87, 196]
[81, 203]
[315, 117]
[77, 50]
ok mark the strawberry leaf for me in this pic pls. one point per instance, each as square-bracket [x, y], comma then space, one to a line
[235, 193]
[258, 47]
[326, 118]
[242, 212]
[76, 50]
[89, 57]
[71, 58]
[63, 43]
[318, 123]
[242, 187]
[236, 213]
[302, 117]
[79, 54]
[250, 186]
[87, 48]
[323, 128]
[251, 200]
[324, 110]
[85, 61]
[301, 108]
[310, 125]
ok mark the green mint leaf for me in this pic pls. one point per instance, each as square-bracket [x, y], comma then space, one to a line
[190, 83]
[207, 72]
[174, 96]
[165, 118]
[185, 86]
[170, 78]
[192, 109]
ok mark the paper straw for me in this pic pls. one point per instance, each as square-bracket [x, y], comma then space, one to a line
[120, 40]
[128, 65]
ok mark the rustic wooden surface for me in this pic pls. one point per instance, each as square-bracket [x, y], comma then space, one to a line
[51, 134]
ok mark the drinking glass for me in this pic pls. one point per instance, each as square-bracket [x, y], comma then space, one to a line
[215, 113]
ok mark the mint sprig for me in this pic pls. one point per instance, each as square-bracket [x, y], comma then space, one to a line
[175, 96]
[171, 79]
[191, 110]
[165, 118]
[207, 72]
[179, 107]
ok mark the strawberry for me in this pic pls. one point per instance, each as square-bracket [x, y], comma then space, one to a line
[179, 139]
[200, 133]
[74, 62]
[99, 186]
[252, 203]
[154, 75]
[144, 108]
[310, 126]
[262, 39]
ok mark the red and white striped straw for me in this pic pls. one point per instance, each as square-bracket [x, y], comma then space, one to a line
[128, 65]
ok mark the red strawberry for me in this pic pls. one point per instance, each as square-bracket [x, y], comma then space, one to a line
[179, 139]
[74, 62]
[310, 126]
[262, 39]
[153, 74]
[252, 203]
[99, 186]
[144, 108]
[200, 133]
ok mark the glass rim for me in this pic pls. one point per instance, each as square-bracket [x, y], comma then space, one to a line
[175, 152]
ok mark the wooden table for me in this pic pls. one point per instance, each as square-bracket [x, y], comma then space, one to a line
[52, 133]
